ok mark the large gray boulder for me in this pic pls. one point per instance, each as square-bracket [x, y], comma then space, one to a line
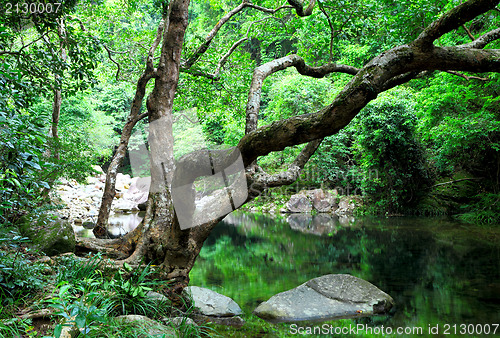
[323, 201]
[299, 203]
[326, 298]
[211, 303]
[48, 233]
[139, 190]
[307, 200]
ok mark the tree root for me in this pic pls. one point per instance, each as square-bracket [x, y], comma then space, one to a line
[108, 247]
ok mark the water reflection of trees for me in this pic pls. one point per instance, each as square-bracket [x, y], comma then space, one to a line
[432, 278]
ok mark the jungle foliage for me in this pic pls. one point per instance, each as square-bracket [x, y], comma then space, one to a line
[412, 137]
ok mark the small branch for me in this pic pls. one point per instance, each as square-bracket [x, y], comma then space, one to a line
[268, 10]
[113, 60]
[468, 33]
[162, 26]
[455, 181]
[299, 8]
[466, 76]
[264, 180]
[216, 75]
[208, 40]
[484, 40]
[452, 20]
[332, 30]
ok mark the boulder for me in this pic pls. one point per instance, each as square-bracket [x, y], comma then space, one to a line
[235, 321]
[157, 296]
[122, 182]
[49, 233]
[348, 204]
[123, 205]
[211, 303]
[139, 190]
[179, 321]
[307, 200]
[322, 201]
[299, 203]
[325, 298]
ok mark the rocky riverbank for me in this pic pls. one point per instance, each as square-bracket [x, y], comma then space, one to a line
[80, 202]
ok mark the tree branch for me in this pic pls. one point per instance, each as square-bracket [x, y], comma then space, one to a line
[452, 20]
[216, 75]
[379, 74]
[263, 180]
[484, 40]
[299, 8]
[263, 71]
[208, 40]
[113, 60]
[162, 27]
[466, 76]
[468, 33]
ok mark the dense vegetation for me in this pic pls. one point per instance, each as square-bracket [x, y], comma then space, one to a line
[430, 146]
[447, 124]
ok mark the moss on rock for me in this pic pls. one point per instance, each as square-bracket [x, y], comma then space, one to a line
[48, 233]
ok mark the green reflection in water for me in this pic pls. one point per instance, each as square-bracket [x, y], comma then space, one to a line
[436, 269]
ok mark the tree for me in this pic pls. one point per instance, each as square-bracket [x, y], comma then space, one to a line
[159, 237]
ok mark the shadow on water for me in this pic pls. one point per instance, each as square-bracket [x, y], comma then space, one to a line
[436, 269]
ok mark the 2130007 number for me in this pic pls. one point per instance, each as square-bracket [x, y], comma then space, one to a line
[32, 7]
[470, 329]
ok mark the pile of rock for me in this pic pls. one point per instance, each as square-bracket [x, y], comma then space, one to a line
[82, 201]
[322, 202]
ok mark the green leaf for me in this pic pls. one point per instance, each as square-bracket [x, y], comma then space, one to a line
[58, 330]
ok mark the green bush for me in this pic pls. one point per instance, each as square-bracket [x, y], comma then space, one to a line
[386, 144]
[484, 210]
[129, 290]
[19, 277]
[21, 163]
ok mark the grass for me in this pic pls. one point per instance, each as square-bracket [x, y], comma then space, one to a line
[84, 294]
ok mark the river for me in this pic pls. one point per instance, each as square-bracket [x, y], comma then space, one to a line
[438, 270]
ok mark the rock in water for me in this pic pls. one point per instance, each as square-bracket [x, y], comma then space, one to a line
[326, 298]
[49, 233]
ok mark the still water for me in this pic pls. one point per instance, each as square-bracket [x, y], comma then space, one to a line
[439, 271]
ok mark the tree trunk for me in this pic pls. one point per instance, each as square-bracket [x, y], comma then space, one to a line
[159, 238]
[134, 117]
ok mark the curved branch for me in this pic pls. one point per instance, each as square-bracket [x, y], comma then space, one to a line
[452, 20]
[264, 180]
[263, 71]
[386, 70]
[299, 8]
[484, 40]
[467, 77]
[208, 40]
[114, 61]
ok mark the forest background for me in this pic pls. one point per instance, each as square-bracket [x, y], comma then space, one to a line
[441, 127]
